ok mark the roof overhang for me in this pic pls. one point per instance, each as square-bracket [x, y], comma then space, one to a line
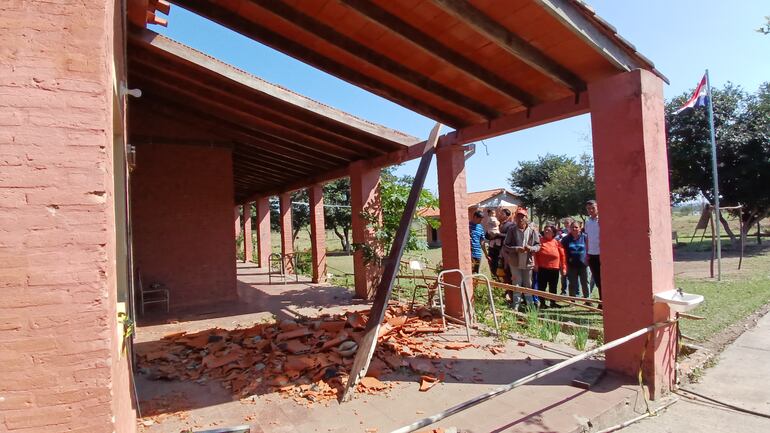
[460, 62]
[278, 138]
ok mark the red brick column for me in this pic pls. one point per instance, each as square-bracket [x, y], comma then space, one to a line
[364, 197]
[287, 243]
[453, 206]
[635, 217]
[61, 367]
[237, 219]
[248, 247]
[317, 232]
[264, 247]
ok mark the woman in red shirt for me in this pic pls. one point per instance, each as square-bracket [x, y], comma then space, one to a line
[549, 264]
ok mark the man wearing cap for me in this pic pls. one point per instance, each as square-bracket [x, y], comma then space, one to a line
[518, 247]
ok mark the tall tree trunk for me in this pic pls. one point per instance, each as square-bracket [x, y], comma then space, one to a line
[347, 240]
[726, 226]
[294, 234]
[341, 238]
[750, 219]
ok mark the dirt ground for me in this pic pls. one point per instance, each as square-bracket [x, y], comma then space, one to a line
[696, 264]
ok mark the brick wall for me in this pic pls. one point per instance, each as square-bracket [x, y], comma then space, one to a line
[58, 337]
[182, 210]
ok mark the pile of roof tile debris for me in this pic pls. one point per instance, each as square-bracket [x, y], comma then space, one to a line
[308, 360]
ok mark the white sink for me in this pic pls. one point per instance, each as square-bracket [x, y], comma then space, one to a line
[679, 301]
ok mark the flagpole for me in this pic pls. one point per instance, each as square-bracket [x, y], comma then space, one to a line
[715, 176]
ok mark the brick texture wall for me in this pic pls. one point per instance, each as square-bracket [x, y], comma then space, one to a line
[182, 209]
[58, 338]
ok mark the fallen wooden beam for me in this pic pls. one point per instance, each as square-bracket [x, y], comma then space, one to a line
[385, 288]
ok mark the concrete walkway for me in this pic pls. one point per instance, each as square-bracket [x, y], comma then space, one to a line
[741, 378]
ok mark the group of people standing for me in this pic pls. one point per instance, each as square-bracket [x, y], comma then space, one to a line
[518, 254]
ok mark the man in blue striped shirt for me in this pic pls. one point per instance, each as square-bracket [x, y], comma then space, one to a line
[477, 234]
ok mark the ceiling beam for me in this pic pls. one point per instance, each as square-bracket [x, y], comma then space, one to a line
[278, 150]
[221, 110]
[298, 119]
[268, 37]
[282, 168]
[226, 103]
[362, 52]
[137, 139]
[535, 116]
[263, 165]
[176, 49]
[428, 44]
[510, 42]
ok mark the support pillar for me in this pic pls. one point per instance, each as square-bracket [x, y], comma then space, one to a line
[632, 191]
[237, 219]
[248, 247]
[455, 235]
[317, 232]
[364, 197]
[264, 247]
[287, 243]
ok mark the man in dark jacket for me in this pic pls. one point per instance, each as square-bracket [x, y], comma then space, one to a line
[518, 247]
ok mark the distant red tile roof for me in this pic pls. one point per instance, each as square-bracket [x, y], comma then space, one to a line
[474, 198]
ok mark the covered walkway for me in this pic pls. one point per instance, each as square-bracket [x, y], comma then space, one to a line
[480, 69]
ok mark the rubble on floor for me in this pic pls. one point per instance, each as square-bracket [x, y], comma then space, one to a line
[308, 360]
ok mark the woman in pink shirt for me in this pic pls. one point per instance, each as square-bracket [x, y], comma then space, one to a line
[550, 264]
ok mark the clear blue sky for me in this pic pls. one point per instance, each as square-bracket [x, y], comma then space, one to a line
[682, 37]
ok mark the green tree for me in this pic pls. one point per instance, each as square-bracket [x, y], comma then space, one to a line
[337, 210]
[742, 126]
[300, 213]
[394, 193]
[555, 186]
[568, 188]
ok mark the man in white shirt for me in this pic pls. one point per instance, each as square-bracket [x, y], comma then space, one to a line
[593, 244]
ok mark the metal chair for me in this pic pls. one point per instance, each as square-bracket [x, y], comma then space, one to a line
[156, 294]
[415, 266]
[466, 303]
[491, 298]
[277, 267]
